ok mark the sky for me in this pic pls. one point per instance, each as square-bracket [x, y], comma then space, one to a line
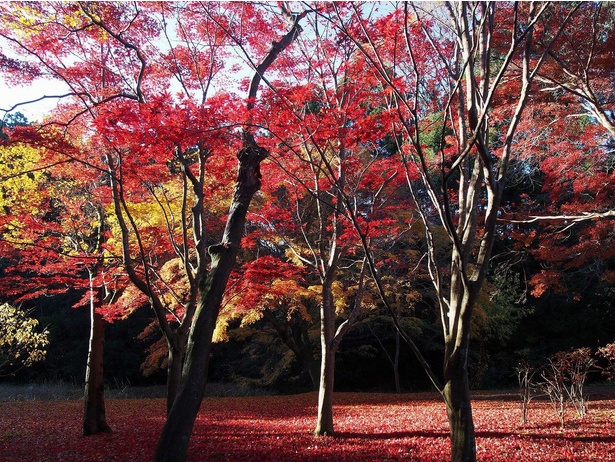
[11, 95]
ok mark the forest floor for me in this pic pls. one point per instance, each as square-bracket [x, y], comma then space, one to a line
[369, 426]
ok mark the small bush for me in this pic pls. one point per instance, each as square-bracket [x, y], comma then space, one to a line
[561, 379]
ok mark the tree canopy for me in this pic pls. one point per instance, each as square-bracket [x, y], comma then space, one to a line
[228, 163]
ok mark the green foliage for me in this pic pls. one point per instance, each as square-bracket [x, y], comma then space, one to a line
[21, 344]
[506, 308]
[500, 309]
[434, 137]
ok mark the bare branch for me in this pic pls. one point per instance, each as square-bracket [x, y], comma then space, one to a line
[610, 214]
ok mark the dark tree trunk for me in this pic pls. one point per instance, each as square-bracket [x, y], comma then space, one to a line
[456, 394]
[94, 418]
[174, 371]
[396, 362]
[313, 368]
[173, 443]
[295, 336]
[304, 350]
[324, 422]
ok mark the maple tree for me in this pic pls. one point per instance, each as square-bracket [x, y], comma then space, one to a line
[460, 183]
[275, 290]
[580, 64]
[56, 228]
[332, 166]
[173, 443]
[570, 233]
[134, 127]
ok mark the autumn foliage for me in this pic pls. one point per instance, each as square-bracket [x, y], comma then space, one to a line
[226, 163]
[22, 341]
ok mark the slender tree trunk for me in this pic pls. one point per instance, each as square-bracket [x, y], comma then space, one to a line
[306, 356]
[456, 394]
[296, 338]
[313, 367]
[330, 339]
[324, 422]
[396, 362]
[94, 418]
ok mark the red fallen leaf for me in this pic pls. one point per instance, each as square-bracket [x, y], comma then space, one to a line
[370, 427]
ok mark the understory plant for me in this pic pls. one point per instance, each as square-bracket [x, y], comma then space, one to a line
[561, 379]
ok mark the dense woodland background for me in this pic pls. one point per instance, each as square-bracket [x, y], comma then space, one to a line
[254, 360]
[534, 303]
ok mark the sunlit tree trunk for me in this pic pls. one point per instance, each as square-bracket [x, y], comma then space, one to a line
[456, 391]
[94, 419]
[331, 338]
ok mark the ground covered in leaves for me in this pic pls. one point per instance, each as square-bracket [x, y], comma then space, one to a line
[371, 427]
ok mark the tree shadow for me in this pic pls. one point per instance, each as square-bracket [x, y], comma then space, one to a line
[479, 434]
[548, 436]
[393, 435]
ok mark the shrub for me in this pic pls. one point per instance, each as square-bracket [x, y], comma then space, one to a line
[20, 343]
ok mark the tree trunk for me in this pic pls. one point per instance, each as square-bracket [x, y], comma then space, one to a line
[456, 394]
[396, 362]
[94, 418]
[174, 371]
[296, 337]
[313, 368]
[324, 423]
[305, 350]
[173, 443]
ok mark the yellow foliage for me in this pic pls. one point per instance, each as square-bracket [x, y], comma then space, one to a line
[28, 17]
[251, 317]
[339, 296]
[224, 318]
[20, 183]
[20, 343]
[294, 258]
[220, 332]
[285, 294]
